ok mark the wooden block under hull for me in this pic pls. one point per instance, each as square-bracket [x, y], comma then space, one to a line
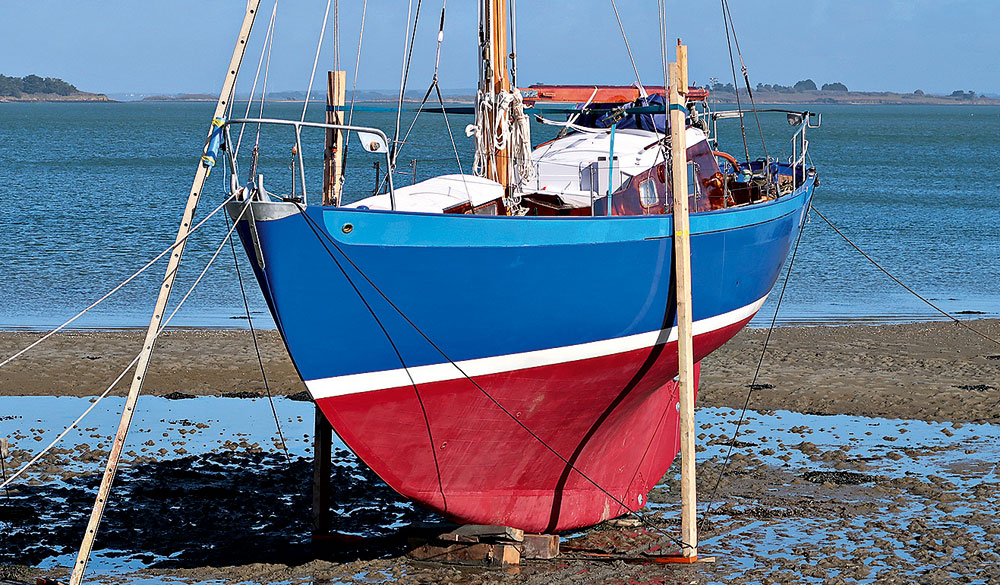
[493, 555]
[540, 546]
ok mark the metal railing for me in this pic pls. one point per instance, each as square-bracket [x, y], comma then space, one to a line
[800, 145]
[297, 128]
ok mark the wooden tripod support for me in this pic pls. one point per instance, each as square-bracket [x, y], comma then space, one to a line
[200, 176]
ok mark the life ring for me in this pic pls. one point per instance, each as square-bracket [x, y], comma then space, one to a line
[730, 158]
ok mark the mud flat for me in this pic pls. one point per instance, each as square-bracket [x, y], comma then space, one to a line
[207, 495]
[926, 371]
[861, 461]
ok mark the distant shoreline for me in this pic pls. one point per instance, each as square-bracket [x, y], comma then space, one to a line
[852, 98]
[52, 97]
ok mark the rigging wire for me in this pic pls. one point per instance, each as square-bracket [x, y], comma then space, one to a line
[435, 85]
[323, 238]
[662, 15]
[125, 371]
[665, 62]
[736, 83]
[746, 76]
[263, 98]
[404, 74]
[354, 91]
[336, 35]
[357, 62]
[253, 88]
[116, 288]
[627, 48]
[312, 76]
[512, 32]
[753, 383]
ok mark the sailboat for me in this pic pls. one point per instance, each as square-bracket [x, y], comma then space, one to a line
[500, 346]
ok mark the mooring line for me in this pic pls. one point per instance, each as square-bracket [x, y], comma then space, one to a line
[753, 383]
[900, 283]
[395, 348]
[104, 394]
[115, 289]
[256, 347]
[317, 232]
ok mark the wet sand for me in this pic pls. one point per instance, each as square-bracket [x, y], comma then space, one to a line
[797, 505]
[926, 371]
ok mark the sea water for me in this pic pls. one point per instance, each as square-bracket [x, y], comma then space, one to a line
[90, 192]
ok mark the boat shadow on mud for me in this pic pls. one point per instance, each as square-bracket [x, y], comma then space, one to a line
[215, 509]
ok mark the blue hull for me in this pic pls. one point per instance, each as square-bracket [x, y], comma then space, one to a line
[360, 291]
[565, 327]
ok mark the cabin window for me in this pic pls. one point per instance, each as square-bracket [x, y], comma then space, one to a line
[648, 195]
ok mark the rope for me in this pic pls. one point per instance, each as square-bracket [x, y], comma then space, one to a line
[323, 238]
[72, 425]
[753, 383]
[312, 76]
[115, 289]
[627, 48]
[451, 136]
[900, 283]
[256, 348]
[392, 342]
[107, 391]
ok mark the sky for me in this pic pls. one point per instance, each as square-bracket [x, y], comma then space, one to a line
[183, 46]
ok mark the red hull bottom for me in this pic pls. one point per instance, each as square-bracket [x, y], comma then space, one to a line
[612, 421]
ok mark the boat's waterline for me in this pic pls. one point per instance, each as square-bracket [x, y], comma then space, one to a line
[370, 381]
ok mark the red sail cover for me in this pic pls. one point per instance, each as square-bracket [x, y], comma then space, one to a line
[606, 94]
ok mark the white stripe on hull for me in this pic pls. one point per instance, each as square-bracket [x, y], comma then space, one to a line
[370, 381]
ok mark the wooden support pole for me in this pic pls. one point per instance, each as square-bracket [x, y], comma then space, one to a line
[682, 264]
[322, 466]
[200, 176]
[333, 153]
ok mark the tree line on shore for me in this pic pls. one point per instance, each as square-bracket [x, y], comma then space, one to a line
[33, 84]
[810, 85]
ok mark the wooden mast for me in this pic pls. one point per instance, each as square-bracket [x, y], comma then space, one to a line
[494, 81]
[200, 176]
[501, 82]
[333, 153]
[682, 263]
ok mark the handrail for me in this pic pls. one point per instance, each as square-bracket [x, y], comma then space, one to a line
[298, 125]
